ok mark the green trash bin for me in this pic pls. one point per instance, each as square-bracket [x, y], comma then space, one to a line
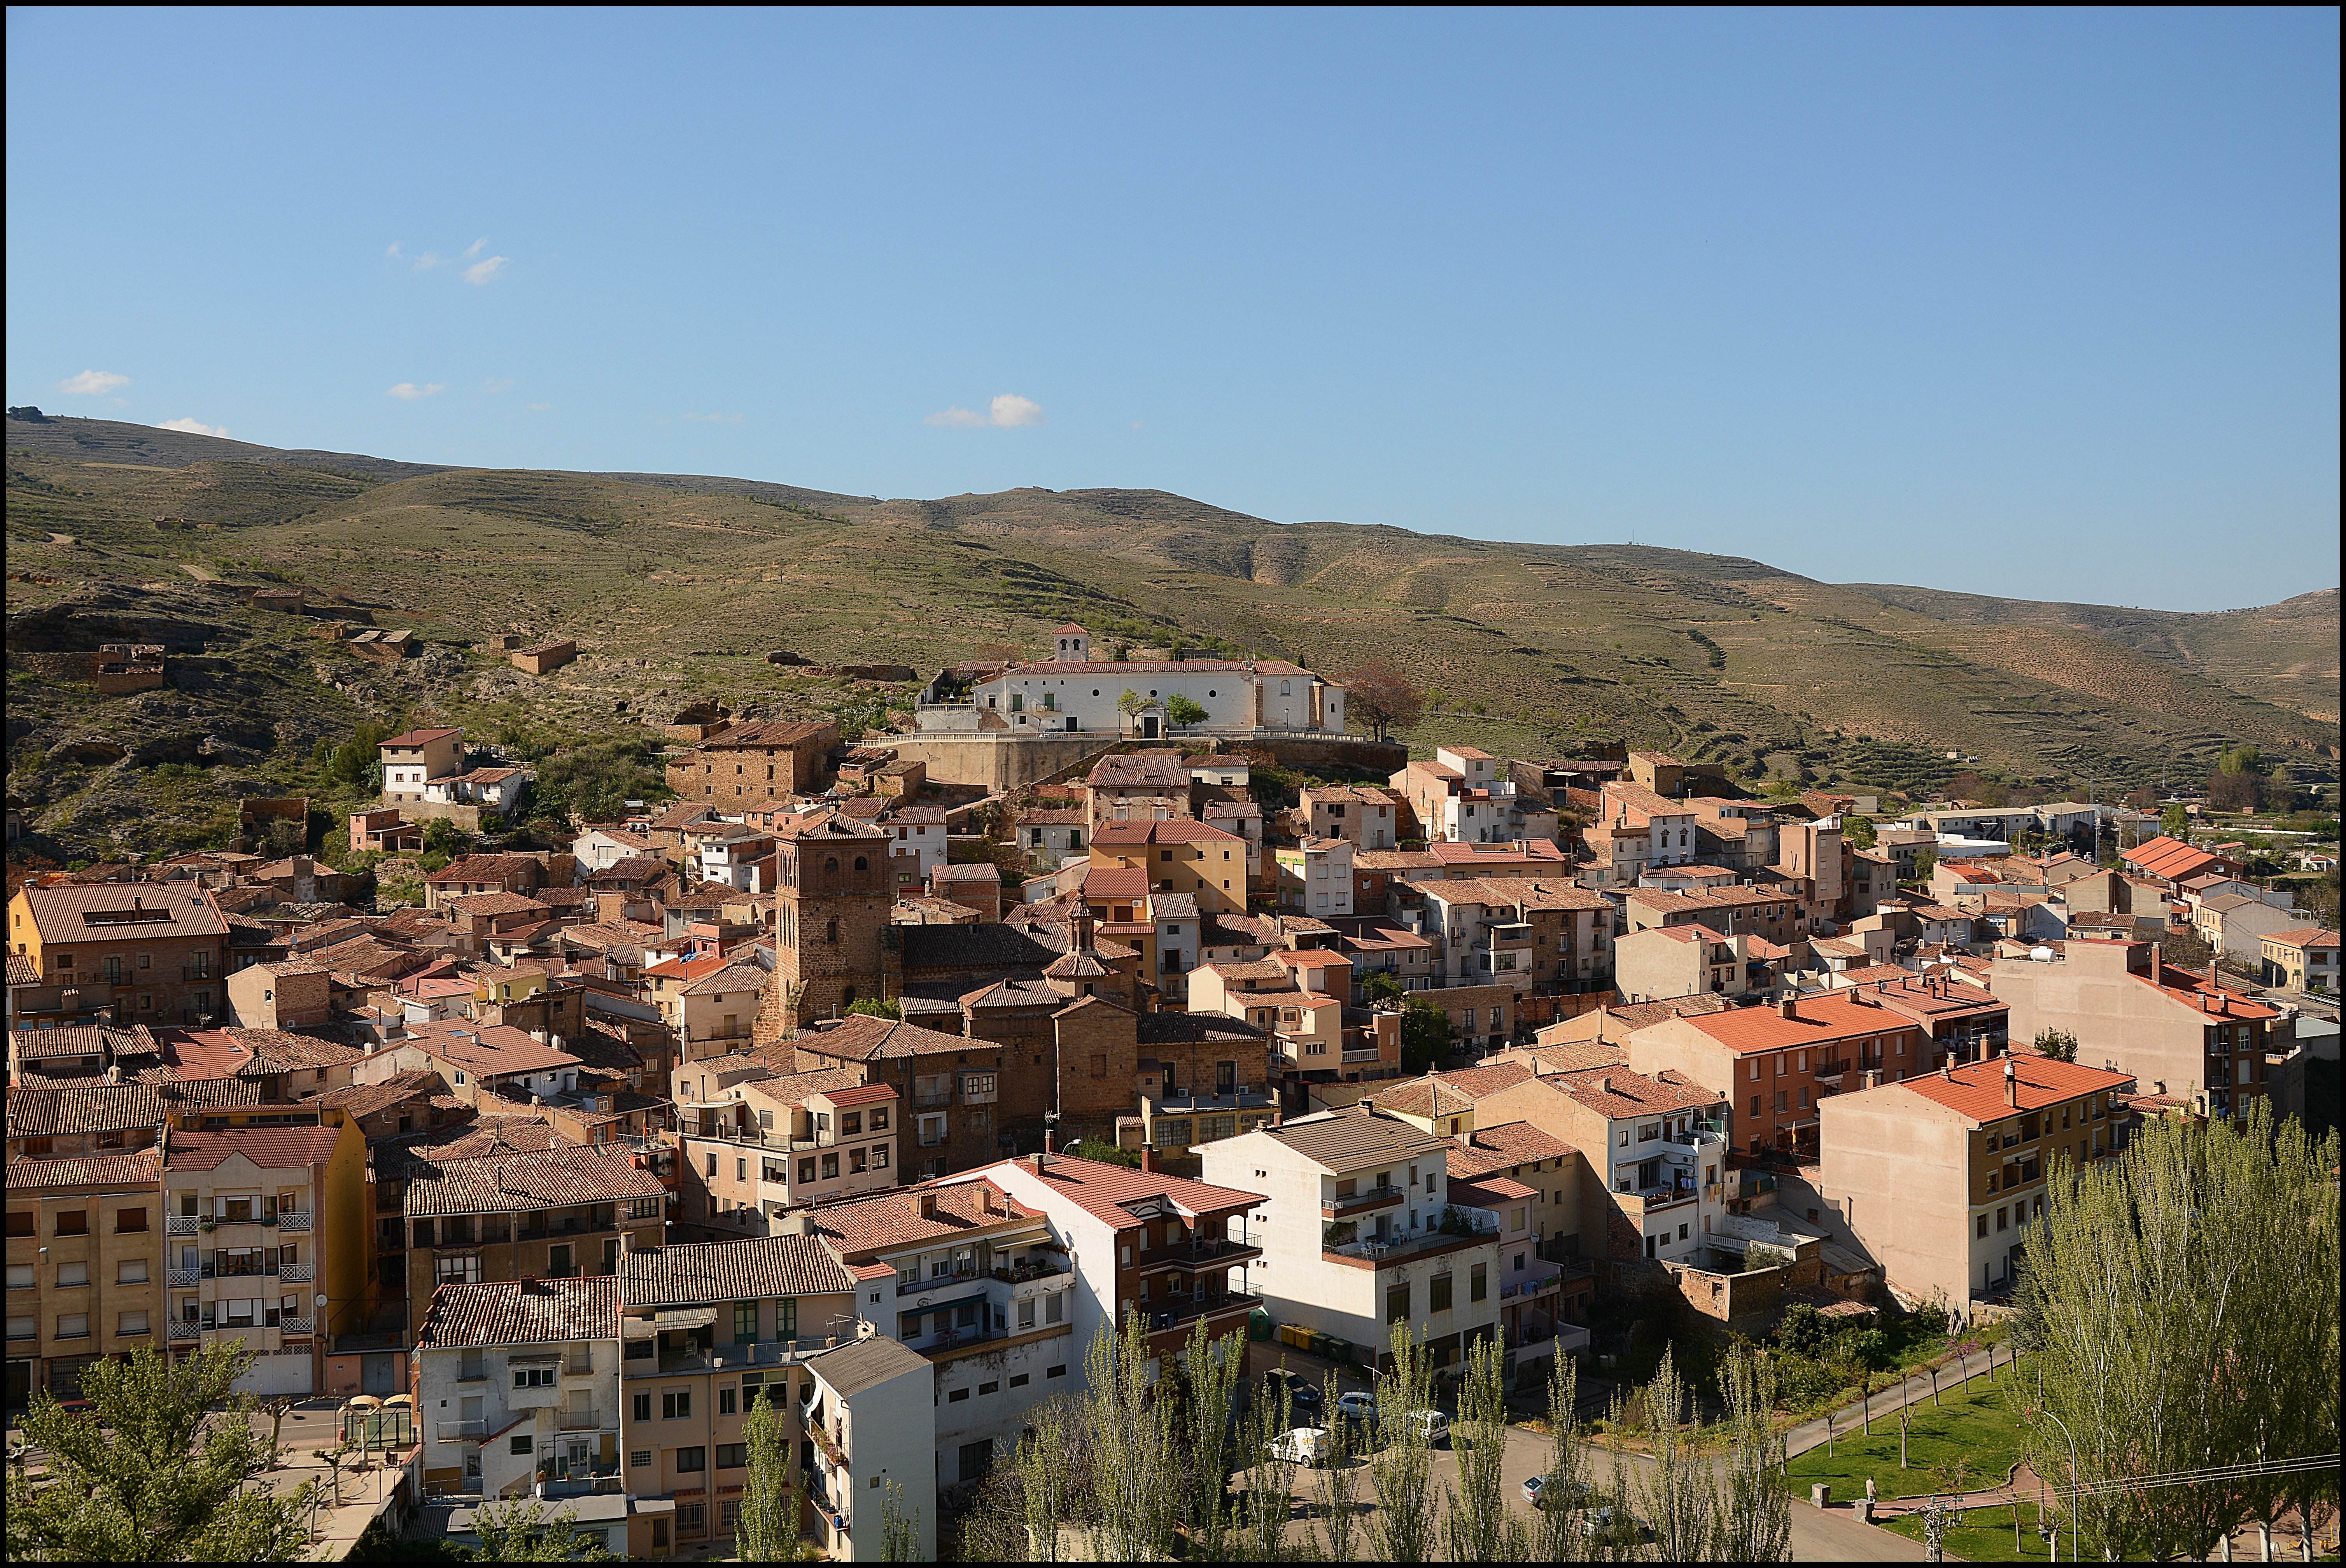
[1259, 1324]
[1319, 1343]
[1339, 1350]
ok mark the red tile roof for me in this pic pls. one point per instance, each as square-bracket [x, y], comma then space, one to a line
[860, 1037]
[1817, 1018]
[752, 1268]
[860, 1226]
[526, 1312]
[1975, 1089]
[271, 1148]
[1503, 1148]
[1619, 1094]
[2305, 936]
[140, 1169]
[1106, 1191]
[408, 741]
[1173, 831]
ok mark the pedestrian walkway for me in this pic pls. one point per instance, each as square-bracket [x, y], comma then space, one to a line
[1952, 1374]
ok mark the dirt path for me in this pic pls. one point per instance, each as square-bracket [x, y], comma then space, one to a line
[1913, 1391]
[199, 573]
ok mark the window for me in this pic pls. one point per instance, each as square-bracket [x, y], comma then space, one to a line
[73, 1222]
[691, 1459]
[523, 1443]
[725, 1398]
[1441, 1294]
[533, 1378]
[73, 1326]
[1058, 1371]
[806, 1168]
[732, 1455]
[959, 1396]
[640, 1458]
[132, 1323]
[993, 1388]
[1982, 1224]
[20, 1276]
[21, 1223]
[644, 1411]
[745, 1321]
[1478, 1283]
[879, 1121]
[23, 1329]
[129, 1220]
[72, 1274]
[676, 1405]
[1999, 1219]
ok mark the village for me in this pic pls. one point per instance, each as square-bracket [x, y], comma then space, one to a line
[884, 1073]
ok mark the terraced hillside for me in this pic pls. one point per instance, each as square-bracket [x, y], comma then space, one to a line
[676, 586]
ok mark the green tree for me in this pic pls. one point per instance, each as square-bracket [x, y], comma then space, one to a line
[1674, 1495]
[441, 837]
[900, 1527]
[525, 1530]
[1383, 698]
[1754, 1509]
[1558, 1538]
[2180, 1302]
[1181, 710]
[1269, 1503]
[1424, 1035]
[1044, 1462]
[1203, 1382]
[874, 1007]
[151, 1472]
[1131, 1436]
[1130, 703]
[1339, 1535]
[1477, 1524]
[2176, 822]
[768, 1529]
[1381, 986]
[1856, 833]
[1106, 1153]
[1400, 1471]
[2056, 1043]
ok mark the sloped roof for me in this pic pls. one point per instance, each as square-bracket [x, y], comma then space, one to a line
[271, 1148]
[1444, 1094]
[1819, 1017]
[105, 1108]
[144, 1169]
[862, 1037]
[1975, 1090]
[557, 1178]
[74, 912]
[1503, 1148]
[889, 1219]
[752, 1268]
[522, 1312]
[1619, 1094]
[1349, 1139]
[1108, 1191]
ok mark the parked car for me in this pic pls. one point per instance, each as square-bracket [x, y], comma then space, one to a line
[1306, 1446]
[1541, 1491]
[1303, 1396]
[1614, 1526]
[1434, 1425]
[1357, 1406]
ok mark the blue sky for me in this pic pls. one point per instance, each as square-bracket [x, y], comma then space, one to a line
[2039, 303]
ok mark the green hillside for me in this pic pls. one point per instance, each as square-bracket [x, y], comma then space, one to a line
[676, 586]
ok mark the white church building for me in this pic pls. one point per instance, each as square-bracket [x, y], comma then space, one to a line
[1072, 692]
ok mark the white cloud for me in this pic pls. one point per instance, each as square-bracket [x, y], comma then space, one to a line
[957, 419]
[408, 392]
[426, 262]
[392, 253]
[482, 271]
[475, 248]
[716, 418]
[193, 427]
[539, 407]
[1010, 410]
[496, 383]
[92, 383]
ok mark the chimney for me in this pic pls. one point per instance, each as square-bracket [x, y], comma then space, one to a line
[1947, 1067]
[1605, 1085]
[1369, 1104]
[1788, 1008]
[928, 1205]
[1050, 1142]
[2010, 1083]
[1147, 1160]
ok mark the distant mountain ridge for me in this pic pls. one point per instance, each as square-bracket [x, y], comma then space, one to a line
[674, 583]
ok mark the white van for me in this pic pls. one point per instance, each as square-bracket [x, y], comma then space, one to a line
[1306, 1446]
[1433, 1425]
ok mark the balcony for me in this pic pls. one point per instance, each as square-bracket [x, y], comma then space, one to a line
[459, 1431]
[939, 1282]
[575, 1419]
[1175, 1314]
[183, 1276]
[180, 1224]
[1376, 1198]
[934, 1100]
[296, 1273]
[1202, 1253]
[297, 1325]
[296, 1220]
[181, 1332]
[1539, 1286]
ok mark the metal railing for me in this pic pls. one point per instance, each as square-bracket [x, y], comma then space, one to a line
[184, 1330]
[294, 1219]
[296, 1273]
[183, 1276]
[297, 1325]
[586, 1421]
[180, 1224]
[457, 1431]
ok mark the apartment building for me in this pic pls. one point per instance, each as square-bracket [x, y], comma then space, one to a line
[950, 1086]
[1350, 1233]
[84, 1267]
[1525, 932]
[1306, 1023]
[2174, 1032]
[1552, 1170]
[1637, 830]
[265, 1240]
[777, 1143]
[705, 1329]
[1654, 1152]
[1149, 785]
[1937, 1178]
[556, 1213]
[1144, 1244]
[1770, 912]
[1693, 960]
[517, 1387]
[976, 1281]
[1774, 1066]
[872, 1423]
[709, 1002]
[1959, 1020]
[1367, 817]
[1315, 878]
[1177, 856]
[1465, 796]
[135, 952]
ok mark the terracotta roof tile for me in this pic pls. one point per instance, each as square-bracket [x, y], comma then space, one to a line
[271, 1148]
[523, 1312]
[860, 1226]
[557, 1178]
[1975, 1089]
[144, 1169]
[1503, 1148]
[757, 1267]
[113, 1107]
[1108, 1192]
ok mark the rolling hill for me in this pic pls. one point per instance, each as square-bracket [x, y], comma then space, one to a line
[676, 586]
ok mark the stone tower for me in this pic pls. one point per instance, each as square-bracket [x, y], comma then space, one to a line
[834, 891]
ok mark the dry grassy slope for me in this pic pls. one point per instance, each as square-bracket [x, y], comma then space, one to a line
[673, 584]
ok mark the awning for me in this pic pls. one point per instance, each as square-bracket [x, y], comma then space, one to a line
[925, 1308]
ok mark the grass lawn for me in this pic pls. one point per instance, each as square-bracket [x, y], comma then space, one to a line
[1983, 1535]
[1972, 1428]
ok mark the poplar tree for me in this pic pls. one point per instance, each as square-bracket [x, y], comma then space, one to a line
[1270, 1479]
[1203, 1390]
[1754, 1512]
[1044, 1491]
[1135, 1495]
[1675, 1496]
[1477, 1524]
[1400, 1471]
[1559, 1538]
[1340, 1486]
[768, 1527]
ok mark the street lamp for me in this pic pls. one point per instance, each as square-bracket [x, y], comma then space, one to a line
[2074, 1497]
